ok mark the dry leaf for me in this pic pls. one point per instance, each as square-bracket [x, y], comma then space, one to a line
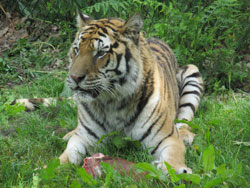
[242, 143]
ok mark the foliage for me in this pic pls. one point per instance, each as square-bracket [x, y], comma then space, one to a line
[211, 34]
[29, 141]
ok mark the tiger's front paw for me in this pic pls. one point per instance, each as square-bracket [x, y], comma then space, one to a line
[179, 170]
[186, 135]
[64, 158]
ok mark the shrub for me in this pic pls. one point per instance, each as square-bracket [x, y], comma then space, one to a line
[211, 34]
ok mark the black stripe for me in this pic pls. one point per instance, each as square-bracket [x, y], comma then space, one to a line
[150, 129]
[162, 124]
[184, 69]
[86, 149]
[188, 105]
[83, 39]
[122, 80]
[165, 47]
[160, 43]
[148, 85]
[96, 39]
[93, 117]
[102, 74]
[107, 63]
[82, 33]
[166, 59]
[191, 92]
[88, 130]
[150, 115]
[104, 30]
[95, 25]
[192, 83]
[157, 146]
[124, 103]
[118, 56]
[90, 28]
[200, 89]
[195, 75]
[110, 27]
[107, 46]
[101, 34]
[128, 56]
[164, 74]
[115, 45]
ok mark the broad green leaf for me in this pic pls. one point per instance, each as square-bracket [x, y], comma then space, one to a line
[214, 182]
[194, 178]
[14, 109]
[107, 135]
[221, 170]
[119, 142]
[172, 173]
[75, 184]
[208, 159]
[193, 126]
[207, 136]
[238, 169]
[87, 178]
[115, 6]
[180, 186]
[36, 180]
[49, 172]
[108, 179]
[109, 170]
[131, 186]
[97, 7]
[152, 171]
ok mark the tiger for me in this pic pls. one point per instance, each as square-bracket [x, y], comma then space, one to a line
[124, 82]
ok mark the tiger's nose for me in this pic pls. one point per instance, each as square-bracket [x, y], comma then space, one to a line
[78, 79]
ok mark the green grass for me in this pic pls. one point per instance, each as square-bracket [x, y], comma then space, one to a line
[28, 141]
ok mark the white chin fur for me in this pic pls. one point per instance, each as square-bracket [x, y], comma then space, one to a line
[79, 97]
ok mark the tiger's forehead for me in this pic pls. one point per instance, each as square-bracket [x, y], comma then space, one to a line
[102, 27]
[98, 34]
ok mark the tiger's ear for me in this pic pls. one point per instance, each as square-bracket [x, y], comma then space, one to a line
[133, 26]
[82, 19]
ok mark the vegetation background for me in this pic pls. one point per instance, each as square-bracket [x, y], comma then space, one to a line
[35, 36]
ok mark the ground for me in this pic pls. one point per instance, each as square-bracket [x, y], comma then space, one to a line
[30, 68]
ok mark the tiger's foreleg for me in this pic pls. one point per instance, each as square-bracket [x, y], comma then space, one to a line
[190, 88]
[172, 151]
[76, 147]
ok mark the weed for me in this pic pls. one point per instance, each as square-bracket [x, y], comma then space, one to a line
[211, 34]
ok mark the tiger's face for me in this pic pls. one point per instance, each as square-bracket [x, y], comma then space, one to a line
[104, 57]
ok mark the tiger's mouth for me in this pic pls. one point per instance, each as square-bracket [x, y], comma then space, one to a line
[92, 92]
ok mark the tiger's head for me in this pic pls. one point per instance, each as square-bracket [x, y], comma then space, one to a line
[105, 57]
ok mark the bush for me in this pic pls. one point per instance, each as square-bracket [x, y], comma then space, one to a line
[211, 34]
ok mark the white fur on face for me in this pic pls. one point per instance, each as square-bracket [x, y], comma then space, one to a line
[103, 44]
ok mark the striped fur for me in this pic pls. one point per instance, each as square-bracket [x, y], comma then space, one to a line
[121, 81]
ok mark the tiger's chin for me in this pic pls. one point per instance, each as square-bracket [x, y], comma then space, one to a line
[79, 97]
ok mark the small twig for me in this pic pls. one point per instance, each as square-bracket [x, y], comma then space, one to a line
[12, 25]
[40, 42]
[48, 72]
[41, 20]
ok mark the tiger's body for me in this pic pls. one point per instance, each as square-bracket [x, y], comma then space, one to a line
[121, 81]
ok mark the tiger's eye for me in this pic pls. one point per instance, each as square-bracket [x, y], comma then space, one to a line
[100, 53]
